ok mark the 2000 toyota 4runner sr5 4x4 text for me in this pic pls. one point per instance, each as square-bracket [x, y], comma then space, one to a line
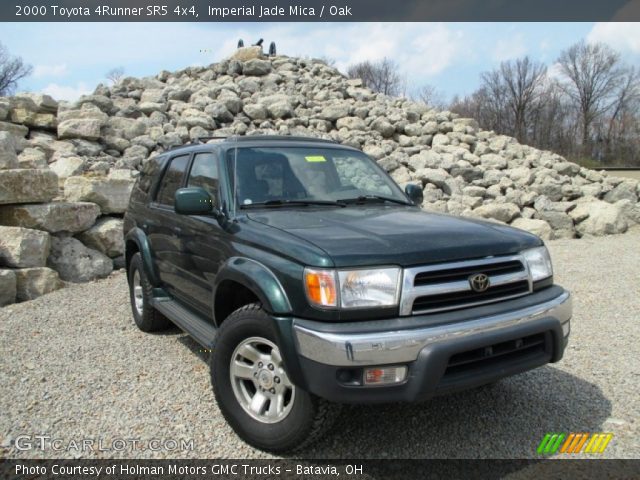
[316, 281]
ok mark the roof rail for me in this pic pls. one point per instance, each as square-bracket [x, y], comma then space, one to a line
[198, 140]
[251, 138]
[289, 138]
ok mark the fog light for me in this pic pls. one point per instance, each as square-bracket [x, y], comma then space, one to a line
[566, 328]
[384, 375]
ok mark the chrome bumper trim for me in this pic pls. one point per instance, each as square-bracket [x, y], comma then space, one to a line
[403, 346]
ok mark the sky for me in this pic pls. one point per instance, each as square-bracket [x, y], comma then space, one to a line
[70, 59]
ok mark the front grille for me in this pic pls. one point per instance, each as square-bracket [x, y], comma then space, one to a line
[441, 287]
[458, 299]
[500, 354]
[463, 273]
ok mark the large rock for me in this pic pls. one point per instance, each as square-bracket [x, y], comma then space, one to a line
[26, 111]
[383, 126]
[18, 131]
[493, 161]
[280, 109]
[560, 222]
[624, 191]
[334, 111]
[8, 157]
[504, 212]
[27, 186]
[76, 263]
[256, 67]
[537, 227]
[105, 236]
[32, 158]
[111, 194]
[66, 167]
[41, 102]
[245, 54]
[34, 282]
[351, 123]
[599, 218]
[566, 168]
[23, 247]
[52, 217]
[88, 128]
[255, 111]
[7, 287]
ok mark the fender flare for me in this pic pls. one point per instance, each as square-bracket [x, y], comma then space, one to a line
[257, 278]
[137, 236]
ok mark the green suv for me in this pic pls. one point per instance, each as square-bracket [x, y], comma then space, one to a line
[315, 281]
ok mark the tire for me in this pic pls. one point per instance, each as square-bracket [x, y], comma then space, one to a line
[302, 419]
[147, 318]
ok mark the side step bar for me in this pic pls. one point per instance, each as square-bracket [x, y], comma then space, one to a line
[202, 331]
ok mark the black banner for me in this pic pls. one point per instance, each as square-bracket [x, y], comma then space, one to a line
[317, 469]
[318, 10]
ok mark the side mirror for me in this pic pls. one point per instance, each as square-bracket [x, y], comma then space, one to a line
[193, 201]
[414, 192]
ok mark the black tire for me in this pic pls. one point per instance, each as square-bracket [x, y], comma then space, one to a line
[147, 318]
[309, 416]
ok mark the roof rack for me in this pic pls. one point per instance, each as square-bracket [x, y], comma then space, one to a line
[289, 138]
[252, 138]
[198, 140]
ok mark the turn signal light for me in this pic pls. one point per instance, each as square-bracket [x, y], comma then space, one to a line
[385, 375]
[321, 287]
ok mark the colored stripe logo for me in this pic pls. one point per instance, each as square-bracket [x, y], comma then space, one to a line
[573, 443]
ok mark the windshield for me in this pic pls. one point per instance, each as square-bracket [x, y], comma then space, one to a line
[303, 175]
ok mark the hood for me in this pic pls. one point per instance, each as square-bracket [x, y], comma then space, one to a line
[394, 235]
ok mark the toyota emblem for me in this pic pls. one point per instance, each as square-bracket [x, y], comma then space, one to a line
[479, 282]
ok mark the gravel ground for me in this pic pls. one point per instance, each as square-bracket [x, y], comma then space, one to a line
[74, 366]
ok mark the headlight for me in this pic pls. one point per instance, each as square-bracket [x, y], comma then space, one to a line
[539, 263]
[369, 288]
[364, 288]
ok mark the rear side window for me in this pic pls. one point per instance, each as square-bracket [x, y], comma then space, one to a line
[172, 180]
[149, 171]
[204, 173]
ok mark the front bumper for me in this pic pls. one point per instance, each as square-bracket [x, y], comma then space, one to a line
[332, 356]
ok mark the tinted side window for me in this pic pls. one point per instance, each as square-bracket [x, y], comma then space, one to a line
[204, 173]
[148, 172]
[172, 180]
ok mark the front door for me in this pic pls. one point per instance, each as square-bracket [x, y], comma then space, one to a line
[202, 238]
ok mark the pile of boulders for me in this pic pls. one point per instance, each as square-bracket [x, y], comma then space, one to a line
[67, 169]
[51, 232]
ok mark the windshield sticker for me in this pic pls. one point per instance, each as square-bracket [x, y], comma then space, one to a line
[315, 158]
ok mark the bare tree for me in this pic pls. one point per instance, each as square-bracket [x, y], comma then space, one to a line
[430, 96]
[620, 125]
[523, 81]
[382, 76]
[12, 70]
[591, 113]
[115, 75]
[509, 95]
[593, 74]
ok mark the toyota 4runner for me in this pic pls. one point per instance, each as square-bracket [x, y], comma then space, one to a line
[315, 280]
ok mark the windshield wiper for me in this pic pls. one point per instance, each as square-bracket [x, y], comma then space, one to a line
[281, 203]
[373, 198]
